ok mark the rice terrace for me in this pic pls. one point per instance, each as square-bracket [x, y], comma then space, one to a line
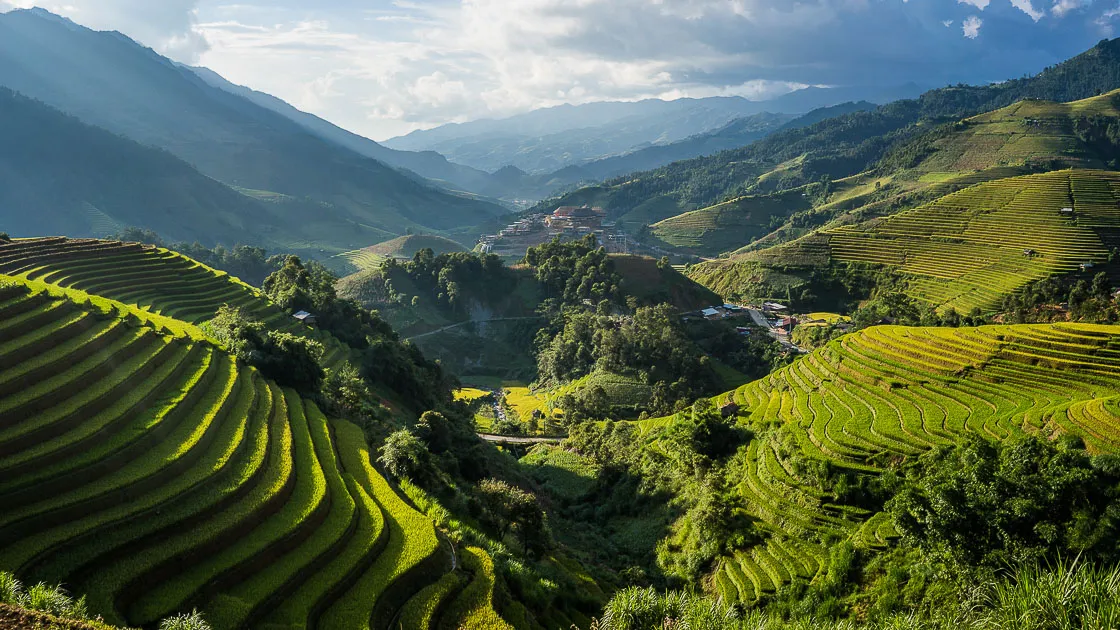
[745, 316]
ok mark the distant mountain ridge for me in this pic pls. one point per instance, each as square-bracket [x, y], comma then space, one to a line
[108, 80]
[546, 140]
[428, 164]
[836, 147]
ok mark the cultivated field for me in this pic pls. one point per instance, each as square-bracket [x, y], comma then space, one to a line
[146, 468]
[887, 394]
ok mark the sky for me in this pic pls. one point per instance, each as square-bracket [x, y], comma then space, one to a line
[383, 68]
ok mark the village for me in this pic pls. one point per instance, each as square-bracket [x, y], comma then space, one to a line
[566, 223]
[773, 317]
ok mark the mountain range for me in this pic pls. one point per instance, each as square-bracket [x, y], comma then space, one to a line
[550, 139]
[343, 199]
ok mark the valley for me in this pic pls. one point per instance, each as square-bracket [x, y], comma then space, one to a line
[709, 363]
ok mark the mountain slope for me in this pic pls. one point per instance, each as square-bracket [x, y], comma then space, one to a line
[550, 139]
[151, 471]
[883, 395]
[60, 176]
[966, 250]
[428, 164]
[108, 80]
[845, 145]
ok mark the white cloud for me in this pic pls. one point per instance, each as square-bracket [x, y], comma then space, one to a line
[1062, 7]
[1026, 7]
[385, 67]
[168, 26]
[1104, 22]
[971, 26]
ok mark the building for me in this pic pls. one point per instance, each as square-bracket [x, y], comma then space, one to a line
[305, 317]
[772, 307]
[730, 410]
[711, 313]
[575, 218]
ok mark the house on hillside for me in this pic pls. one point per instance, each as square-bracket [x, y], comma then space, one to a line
[729, 410]
[305, 317]
[1066, 212]
[1085, 266]
[711, 314]
[773, 307]
[576, 218]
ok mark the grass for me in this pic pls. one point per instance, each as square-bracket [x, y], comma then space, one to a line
[474, 607]
[421, 611]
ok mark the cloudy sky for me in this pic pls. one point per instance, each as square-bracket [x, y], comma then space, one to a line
[385, 67]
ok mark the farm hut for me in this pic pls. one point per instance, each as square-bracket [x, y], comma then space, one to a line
[711, 313]
[305, 317]
[1085, 266]
[729, 410]
[1066, 212]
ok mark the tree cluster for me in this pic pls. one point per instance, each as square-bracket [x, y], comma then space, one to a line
[1025, 501]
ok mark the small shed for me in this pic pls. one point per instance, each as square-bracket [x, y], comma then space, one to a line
[772, 307]
[1085, 266]
[1066, 212]
[729, 410]
[305, 317]
[711, 313]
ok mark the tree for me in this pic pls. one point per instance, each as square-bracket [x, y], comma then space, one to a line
[994, 505]
[513, 510]
[404, 455]
[434, 429]
[287, 359]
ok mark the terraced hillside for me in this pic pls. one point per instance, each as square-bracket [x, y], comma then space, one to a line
[153, 280]
[887, 394]
[970, 248]
[155, 474]
[400, 247]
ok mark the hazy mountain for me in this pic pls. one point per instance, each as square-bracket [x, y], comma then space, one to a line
[428, 164]
[550, 139]
[61, 176]
[110, 81]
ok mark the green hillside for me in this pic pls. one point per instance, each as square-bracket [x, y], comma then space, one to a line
[400, 247]
[832, 150]
[154, 473]
[883, 396]
[966, 250]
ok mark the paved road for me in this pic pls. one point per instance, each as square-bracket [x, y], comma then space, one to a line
[506, 439]
[471, 321]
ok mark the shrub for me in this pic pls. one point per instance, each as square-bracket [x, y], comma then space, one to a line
[10, 588]
[404, 455]
[55, 601]
[192, 621]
